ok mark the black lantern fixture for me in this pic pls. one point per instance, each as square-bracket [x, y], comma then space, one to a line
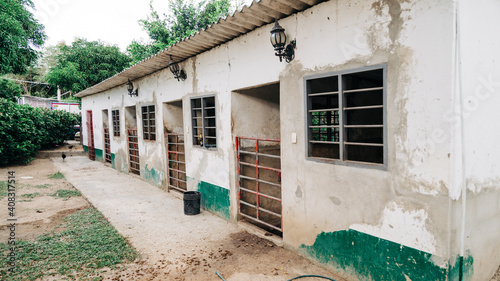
[130, 89]
[174, 68]
[278, 39]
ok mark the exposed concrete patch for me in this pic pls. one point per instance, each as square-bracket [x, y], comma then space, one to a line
[477, 185]
[405, 222]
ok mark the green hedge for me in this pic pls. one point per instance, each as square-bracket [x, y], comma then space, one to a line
[24, 130]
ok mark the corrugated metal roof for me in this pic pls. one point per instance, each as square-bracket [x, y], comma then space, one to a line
[259, 13]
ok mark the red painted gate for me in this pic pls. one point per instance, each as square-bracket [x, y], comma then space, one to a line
[259, 178]
[133, 151]
[90, 135]
[176, 162]
[107, 146]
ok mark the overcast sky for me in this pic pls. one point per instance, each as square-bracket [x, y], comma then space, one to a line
[112, 21]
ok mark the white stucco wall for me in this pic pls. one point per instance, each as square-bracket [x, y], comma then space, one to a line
[418, 88]
[480, 75]
[414, 200]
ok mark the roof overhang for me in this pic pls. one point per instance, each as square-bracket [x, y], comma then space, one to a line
[259, 13]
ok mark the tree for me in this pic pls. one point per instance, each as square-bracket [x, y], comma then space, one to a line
[20, 34]
[186, 19]
[10, 90]
[86, 63]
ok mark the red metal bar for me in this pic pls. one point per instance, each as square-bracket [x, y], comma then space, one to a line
[258, 142]
[257, 176]
[175, 152]
[237, 140]
[262, 167]
[245, 138]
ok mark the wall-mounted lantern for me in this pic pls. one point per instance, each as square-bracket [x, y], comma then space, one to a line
[278, 39]
[130, 89]
[174, 68]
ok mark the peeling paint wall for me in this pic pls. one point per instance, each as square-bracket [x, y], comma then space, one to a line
[409, 210]
[480, 97]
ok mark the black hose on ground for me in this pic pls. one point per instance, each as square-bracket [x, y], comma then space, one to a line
[295, 278]
[316, 276]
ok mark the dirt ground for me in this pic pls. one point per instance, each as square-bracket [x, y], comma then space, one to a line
[37, 213]
[241, 257]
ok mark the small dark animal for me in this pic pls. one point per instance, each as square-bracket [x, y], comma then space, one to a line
[70, 147]
[63, 156]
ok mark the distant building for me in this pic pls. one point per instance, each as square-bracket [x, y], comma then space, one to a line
[53, 104]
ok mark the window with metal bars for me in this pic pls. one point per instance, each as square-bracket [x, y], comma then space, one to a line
[346, 119]
[115, 118]
[149, 123]
[204, 122]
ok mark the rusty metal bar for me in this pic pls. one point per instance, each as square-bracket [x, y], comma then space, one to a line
[258, 216]
[133, 148]
[174, 147]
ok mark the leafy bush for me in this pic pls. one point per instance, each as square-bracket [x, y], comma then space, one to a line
[10, 90]
[24, 130]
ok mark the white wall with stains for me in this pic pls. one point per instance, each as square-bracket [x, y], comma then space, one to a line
[416, 200]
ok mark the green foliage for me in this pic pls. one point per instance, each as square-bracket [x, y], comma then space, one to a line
[42, 185]
[10, 90]
[3, 189]
[186, 19]
[138, 50]
[66, 193]
[57, 175]
[88, 243]
[86, 63]
[21, 34]
[30, 195]
[24, 130]
[56, 125]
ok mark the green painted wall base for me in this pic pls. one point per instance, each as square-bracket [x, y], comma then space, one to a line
[370, 258]
[152, 175]
[98, 154]
[113, 161]
[215, 199]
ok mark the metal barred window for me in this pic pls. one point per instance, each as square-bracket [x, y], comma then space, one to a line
[115, 117]
[346, 117]
[149, 122]
[204, 122]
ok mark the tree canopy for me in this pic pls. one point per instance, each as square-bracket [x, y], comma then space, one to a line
[20, 35]
[86, 63]
[186, 18]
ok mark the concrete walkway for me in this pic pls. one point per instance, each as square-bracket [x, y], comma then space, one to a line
[178, 246]
[150, 218]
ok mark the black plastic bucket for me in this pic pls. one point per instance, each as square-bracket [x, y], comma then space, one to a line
[192, 202]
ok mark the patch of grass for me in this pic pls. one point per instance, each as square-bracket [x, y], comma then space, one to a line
[57, 175]
[3, 189]
[88, 243]
[30, 195]
[42, 185]
[66, 193]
